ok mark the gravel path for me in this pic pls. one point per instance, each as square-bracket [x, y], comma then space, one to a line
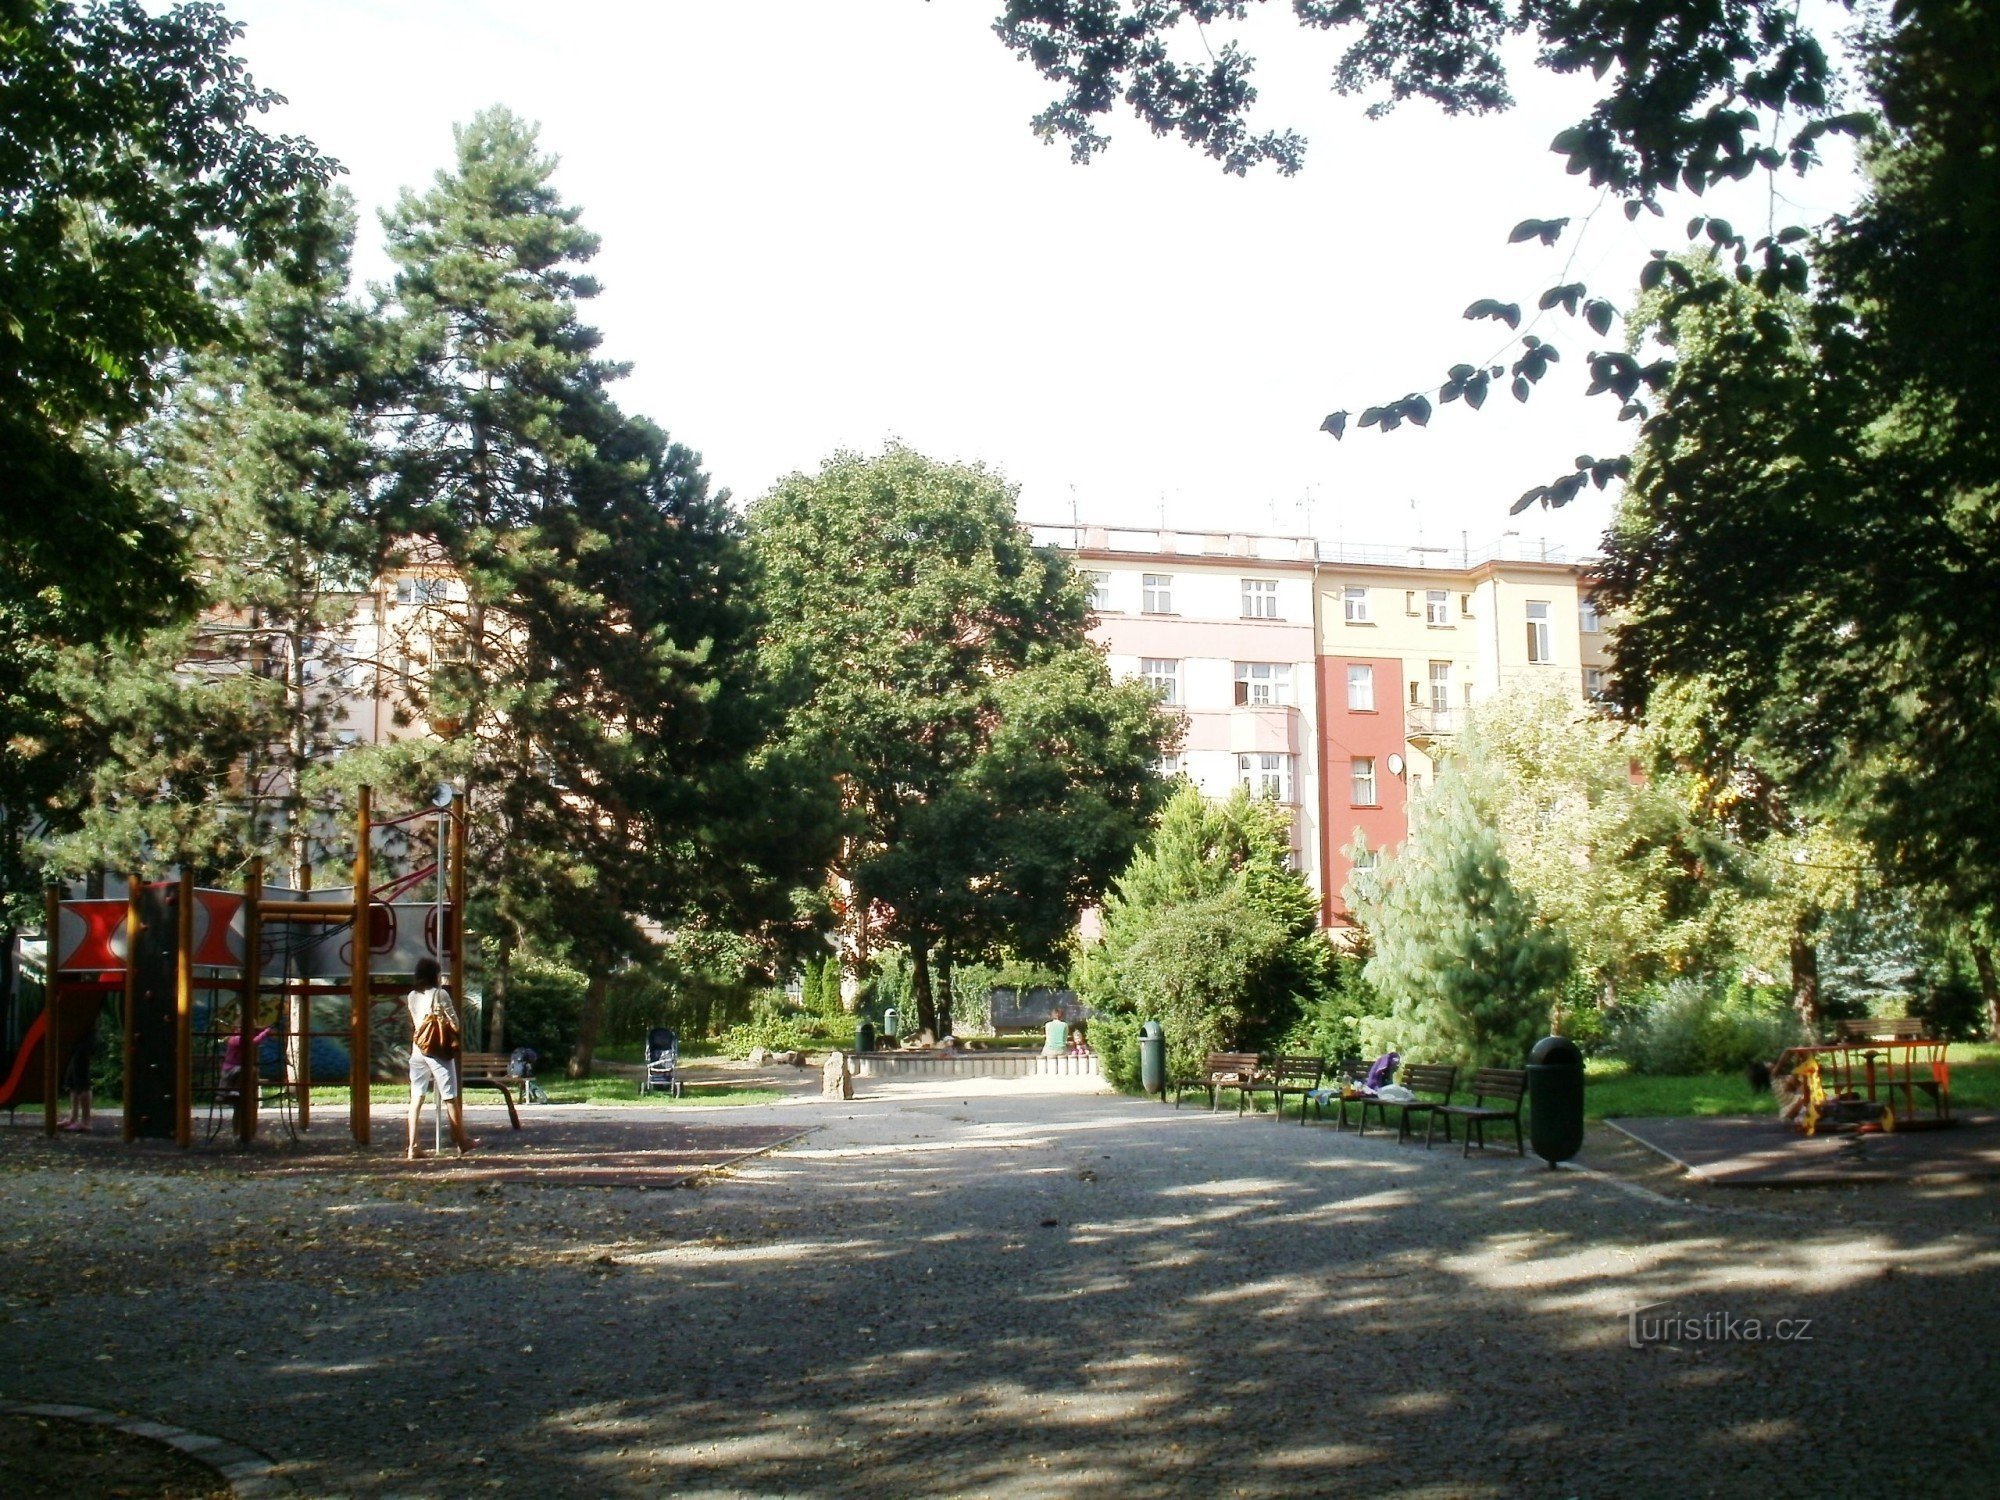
[1021, 1294]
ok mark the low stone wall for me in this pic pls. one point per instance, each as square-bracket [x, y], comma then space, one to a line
[970, 1065]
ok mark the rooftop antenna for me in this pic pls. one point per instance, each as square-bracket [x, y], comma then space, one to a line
[1075, 524]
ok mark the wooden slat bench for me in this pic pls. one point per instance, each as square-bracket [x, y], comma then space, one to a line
[488, 1070]
[1348, 1073]
[1419, 1078]
[1883, 1029]
[1292, 1074]
[1223, 1070]
[1506, 1087]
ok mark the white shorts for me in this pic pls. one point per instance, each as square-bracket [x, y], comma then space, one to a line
[427, 1073]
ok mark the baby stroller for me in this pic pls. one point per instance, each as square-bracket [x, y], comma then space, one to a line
[663, 1060]
[521, 1064]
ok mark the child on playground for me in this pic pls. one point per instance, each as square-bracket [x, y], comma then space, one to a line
[428, 1071]
[76, 1081]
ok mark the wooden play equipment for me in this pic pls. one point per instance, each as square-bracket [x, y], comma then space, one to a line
[200, 972]
[1892, 1061]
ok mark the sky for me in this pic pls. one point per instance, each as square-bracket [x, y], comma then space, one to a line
[827, 225]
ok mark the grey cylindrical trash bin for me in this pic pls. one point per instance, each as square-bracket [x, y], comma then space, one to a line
[1153, 1059]
[892, 1024]
[1555, 1099]
[864, 1037]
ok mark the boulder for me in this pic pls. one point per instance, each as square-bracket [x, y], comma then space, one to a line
[789, 1059]
[835, 1082]
[758, 1057]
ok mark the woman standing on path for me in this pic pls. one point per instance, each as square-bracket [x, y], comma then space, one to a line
[434, 1056]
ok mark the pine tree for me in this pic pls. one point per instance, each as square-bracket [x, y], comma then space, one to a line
[591, 671]
[200, 736]
[1469, 968]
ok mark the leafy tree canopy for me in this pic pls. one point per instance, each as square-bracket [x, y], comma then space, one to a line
[126, 142]
[1808, 545]
[1693, 93]
[992, 776]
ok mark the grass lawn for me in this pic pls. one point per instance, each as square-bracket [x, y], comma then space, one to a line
[1612, 1089]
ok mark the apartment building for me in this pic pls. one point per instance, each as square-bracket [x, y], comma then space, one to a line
[1221, 625]
[1411, 641]
[1332, 678]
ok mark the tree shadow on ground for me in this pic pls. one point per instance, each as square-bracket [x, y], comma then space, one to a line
[1042, 1297]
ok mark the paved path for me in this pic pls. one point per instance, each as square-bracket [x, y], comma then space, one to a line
[1024, 1295]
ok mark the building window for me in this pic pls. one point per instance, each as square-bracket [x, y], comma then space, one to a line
[1100, 590]
[1440, 687]
[1366, 860]
[420, 591]
[1266, 775]
[1263, 684]
[1361, 772]
[1354, 600]
[1168, 765]
[1538, 631]
[1157, 595]
[1588, 620]
[1260, 598]
[1437, 610]
[1163, 676]
[1360, 688]
[1593, 684]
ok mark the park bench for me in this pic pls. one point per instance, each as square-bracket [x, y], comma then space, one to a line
[1292, 1074]
[488, 1070]
[1348, 1073]
[1883, 1029]
[1507, 1086]
[1223, 1070]
[1419, 1078]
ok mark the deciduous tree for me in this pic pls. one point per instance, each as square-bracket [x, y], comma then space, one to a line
[991, 774]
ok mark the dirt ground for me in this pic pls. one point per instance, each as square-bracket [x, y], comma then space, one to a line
[1019, 1294]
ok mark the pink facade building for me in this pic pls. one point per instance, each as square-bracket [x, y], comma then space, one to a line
[1221, 624]
[1333, 679]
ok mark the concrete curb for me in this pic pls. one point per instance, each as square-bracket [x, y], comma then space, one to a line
[249, 1474]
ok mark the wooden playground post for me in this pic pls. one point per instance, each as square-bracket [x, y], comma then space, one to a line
[357, 1054]
[51, 1013]
[184, 1013]
[248, 1073]
[125, 1130]
[460, 811]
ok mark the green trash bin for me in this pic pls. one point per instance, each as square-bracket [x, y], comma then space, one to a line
[1555, 1099]
[1153, 1059]
[864, 1037]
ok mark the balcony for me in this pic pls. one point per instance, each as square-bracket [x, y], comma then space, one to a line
[1264, 729]
[1424, 726]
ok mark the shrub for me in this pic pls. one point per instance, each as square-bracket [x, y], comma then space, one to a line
[1689, 1026]
[777, 1025]
[1189, 966]
[544, 1000]
[1330, 1023]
